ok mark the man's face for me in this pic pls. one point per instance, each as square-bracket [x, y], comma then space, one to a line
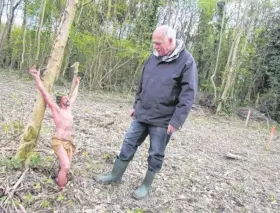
[161, 44]
[65, 101]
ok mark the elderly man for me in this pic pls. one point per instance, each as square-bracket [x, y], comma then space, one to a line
[164, 98]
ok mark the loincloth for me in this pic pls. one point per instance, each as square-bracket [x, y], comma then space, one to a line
[68, 145]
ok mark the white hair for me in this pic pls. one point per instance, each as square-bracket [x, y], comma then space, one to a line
[169, 32]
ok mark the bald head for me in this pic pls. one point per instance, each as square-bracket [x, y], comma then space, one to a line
[164, 40]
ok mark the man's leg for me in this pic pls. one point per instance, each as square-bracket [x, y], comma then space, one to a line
[158, 141]
[64, 167]
[134, 137]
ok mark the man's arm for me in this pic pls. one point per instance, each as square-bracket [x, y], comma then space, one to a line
[137, 98]
[42, 89]
[74, 94]
[139, 89]
[187, 95]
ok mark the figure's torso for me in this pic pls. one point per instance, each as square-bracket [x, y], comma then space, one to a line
[63, 120]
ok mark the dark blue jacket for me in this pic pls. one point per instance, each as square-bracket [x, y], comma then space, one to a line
[166, 90]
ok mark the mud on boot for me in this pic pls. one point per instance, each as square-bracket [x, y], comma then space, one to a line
[143, 190]
[115, 175]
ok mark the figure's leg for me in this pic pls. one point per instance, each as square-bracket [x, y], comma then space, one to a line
[158, 141]
[64, 167]
[134, 137]
[70, 154]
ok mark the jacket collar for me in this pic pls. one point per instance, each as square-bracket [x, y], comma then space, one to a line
[175, 54]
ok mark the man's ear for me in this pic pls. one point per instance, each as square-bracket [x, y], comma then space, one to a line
[170, 40]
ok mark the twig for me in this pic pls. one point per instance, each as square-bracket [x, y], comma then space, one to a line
[176, 199]
[22, 209]
[35, 150]
[233, 156]
[105, 125]
[15, 186]
[2, 209]
[248, 117]
[15, 205]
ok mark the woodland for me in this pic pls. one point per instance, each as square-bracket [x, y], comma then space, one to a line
[214, 164]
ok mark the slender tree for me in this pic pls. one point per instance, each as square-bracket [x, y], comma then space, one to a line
[24, 30]
[232, 64]
[38, 39]
[9, 30]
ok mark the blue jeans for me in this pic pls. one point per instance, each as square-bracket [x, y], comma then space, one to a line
[135, 136]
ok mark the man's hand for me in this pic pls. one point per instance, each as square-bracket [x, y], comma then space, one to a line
[131, 113]
[33, 71]
[170, 129]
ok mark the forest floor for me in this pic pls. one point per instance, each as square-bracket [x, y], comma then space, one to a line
[213, 164]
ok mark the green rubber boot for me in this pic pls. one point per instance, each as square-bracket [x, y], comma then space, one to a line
[142, 191]
[115, 175]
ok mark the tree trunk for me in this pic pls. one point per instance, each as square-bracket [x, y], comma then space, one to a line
[232, 64]
[30, 47]
[69, 46]
[10, 25]
[233, 61]
[5, 28]
[24, 29]
[66, 60]
[32, 130]
[2, 3]
[39, 31]
[217, 59]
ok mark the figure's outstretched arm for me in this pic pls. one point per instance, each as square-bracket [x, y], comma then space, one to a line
[34, 72]
[74, 94]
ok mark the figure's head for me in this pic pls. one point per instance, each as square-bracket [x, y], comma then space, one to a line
[164, 40]
[62, 100]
